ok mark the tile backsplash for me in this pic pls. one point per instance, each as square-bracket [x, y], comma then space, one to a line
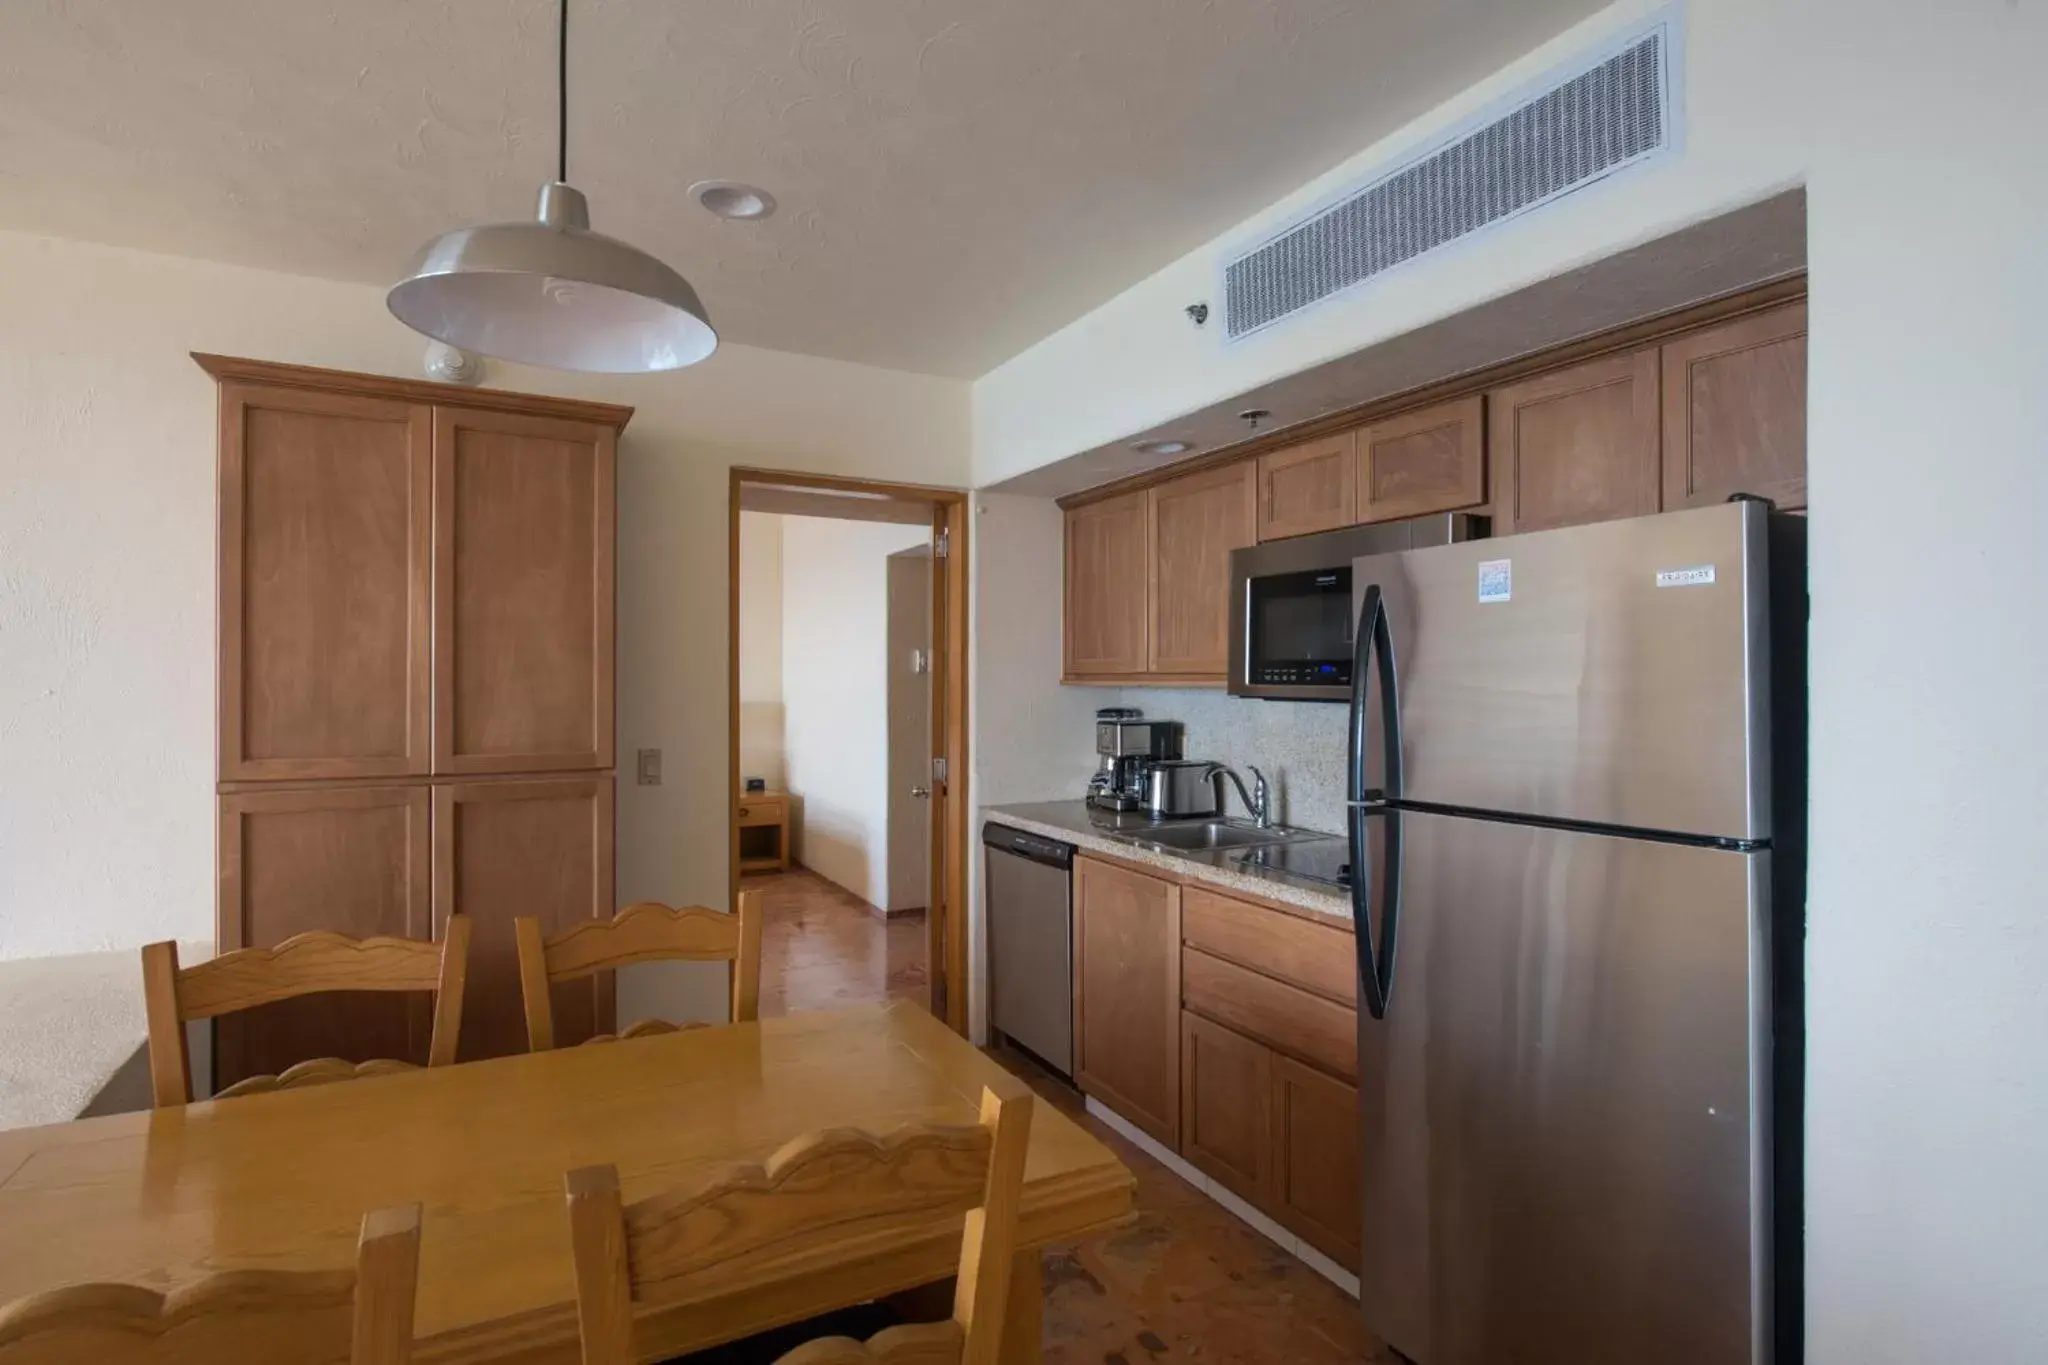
[1299, 745]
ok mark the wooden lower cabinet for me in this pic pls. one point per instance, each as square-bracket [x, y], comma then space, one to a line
[353, 860]
[1226, 1086]
[1127, 994]
[518, 847]
[1317, 1159]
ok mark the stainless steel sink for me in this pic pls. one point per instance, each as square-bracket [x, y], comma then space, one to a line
[1208, 835]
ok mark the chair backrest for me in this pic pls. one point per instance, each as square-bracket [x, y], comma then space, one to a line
[363, 1315]
[824, 1199]
[646, 932]
[304, 964]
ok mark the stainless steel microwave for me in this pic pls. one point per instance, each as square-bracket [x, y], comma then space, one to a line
[1290, 604]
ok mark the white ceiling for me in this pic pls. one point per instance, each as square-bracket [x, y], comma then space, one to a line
[957, 178]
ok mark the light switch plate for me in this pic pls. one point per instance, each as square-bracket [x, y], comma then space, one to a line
[648, 767]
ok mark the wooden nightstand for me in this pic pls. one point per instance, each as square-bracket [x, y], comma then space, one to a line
[764, 832]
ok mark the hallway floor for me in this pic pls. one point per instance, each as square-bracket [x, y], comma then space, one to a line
[1185, 1282]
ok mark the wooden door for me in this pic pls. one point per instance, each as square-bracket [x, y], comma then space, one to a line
[1194, 522]
[353, 860]
[1226, 1095]
[524, 521]
[1105, 588]
[325, 515]
[1430, 460]
[1309, 487]
[1317, 1158]
[1576, 446]
[1127, 994]
[511, 848]
[1735, 411]
[908, 704]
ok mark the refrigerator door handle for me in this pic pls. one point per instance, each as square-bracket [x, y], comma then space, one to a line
[1373, 651]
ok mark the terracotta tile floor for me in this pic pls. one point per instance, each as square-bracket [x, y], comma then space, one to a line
[824, 947]
[1184, 1282]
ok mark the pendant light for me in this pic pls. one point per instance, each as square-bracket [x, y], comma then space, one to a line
[552, 292]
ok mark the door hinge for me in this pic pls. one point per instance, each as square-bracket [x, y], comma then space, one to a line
[942, 544]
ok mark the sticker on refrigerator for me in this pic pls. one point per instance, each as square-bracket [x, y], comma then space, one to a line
[1496, 580]
[1698, 576]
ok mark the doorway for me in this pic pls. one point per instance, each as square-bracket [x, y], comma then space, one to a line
[848, 676]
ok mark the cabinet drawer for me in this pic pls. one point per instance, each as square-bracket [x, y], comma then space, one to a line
[1286, 1018]
[759, 811]
[1300, 952]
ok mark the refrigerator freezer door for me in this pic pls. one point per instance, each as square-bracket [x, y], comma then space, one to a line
[1566, 1105]
[1613, 674]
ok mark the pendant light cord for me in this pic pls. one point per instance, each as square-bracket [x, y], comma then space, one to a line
[562, 98]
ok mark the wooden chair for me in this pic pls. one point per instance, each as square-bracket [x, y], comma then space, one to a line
[647, 932]
[824, 1199]
[303, 964]
[363, 1315]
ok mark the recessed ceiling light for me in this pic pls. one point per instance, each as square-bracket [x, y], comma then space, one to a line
[731, 199]
[1162, 447]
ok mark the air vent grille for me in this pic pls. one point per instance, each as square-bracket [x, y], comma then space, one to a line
[1582, 128]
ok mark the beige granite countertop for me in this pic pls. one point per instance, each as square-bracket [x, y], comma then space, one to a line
[1076, 823]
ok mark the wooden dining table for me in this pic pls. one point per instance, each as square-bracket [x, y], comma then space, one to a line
[282, 1180]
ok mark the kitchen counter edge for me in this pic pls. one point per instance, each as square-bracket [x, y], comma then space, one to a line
[1069, 822]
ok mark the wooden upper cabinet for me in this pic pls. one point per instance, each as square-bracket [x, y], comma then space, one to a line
[1307, 488]
[1127, 994]
[1105, 588]
[1577, 445]
[1194, 523]
[325, 518]
[1735, 411]
[507, 849]
[1430, 460]
[351, 859]
[523, 613]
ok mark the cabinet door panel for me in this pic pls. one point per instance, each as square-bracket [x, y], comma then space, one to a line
[1226, 1099]
[1317, 1159]
[503, 850]
[1195, 522]
[1432, 460]
[1308, 488]
[1127, 994]
[353, 860]
[325, 515]
[1105, 588]
[1286, 1018]
[1735, 411]
[1577, 446]
[523, 613]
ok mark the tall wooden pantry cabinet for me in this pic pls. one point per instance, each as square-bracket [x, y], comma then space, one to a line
[415, 689]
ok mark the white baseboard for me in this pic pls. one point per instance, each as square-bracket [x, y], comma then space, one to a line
[1257, 1221]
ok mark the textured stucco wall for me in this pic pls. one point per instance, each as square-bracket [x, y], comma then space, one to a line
[107, 567]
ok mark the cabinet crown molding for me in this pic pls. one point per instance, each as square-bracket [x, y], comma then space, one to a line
[225, 369]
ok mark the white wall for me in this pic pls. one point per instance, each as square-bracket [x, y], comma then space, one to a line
[835, 694]
[107, 551]
[760, 628]
[1032, 740]
[1136, 361]
[1928, 948]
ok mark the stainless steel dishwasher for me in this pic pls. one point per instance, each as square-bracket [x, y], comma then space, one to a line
[1028, 882]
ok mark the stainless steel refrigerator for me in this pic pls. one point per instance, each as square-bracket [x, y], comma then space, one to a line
[1578, 796]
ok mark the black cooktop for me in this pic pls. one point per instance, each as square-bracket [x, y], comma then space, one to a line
[1319, 860]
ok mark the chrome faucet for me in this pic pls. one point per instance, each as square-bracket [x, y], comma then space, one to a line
[1259, 800]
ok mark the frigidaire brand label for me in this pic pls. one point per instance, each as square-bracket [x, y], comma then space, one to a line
[1698, 576]
[1496, 580]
